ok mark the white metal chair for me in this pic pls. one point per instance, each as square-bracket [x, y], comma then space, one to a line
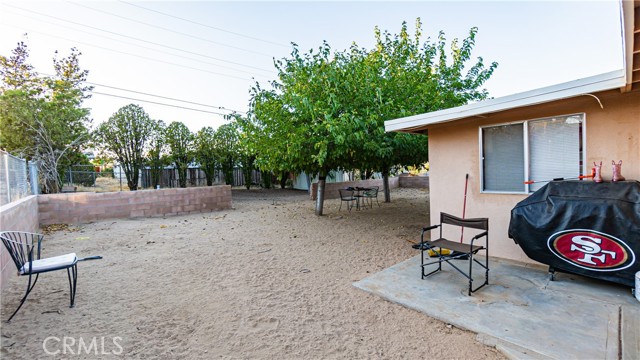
[24, 248]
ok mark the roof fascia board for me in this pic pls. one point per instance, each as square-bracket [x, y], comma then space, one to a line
[626, 28]
[602, 82]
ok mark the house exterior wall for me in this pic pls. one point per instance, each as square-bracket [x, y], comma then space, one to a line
[21, 215]
[612, 133]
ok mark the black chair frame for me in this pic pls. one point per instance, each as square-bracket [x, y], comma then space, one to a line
[24, 248]
[459, 250]
[346, 195]
[370, 194]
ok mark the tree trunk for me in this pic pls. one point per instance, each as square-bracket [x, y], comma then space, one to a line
[283, 179]
[385, 184]
[132, 177]
[320, 195]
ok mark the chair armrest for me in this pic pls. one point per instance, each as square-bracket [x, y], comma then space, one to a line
[40, 238]
[479, 236]
[425, 229]
[430, 227]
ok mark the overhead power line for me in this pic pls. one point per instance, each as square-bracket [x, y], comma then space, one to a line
[207, 26]
[130, 43]
[159, 103]
[153, 95]
[164, 97]
[170, 30]
[131, 37]
[141, 57]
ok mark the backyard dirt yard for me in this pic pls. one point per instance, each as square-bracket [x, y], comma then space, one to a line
[267, 279]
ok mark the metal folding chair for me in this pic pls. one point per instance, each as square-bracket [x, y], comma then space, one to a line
[459, 250]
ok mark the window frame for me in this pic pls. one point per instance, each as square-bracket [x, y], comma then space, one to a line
[526, 188]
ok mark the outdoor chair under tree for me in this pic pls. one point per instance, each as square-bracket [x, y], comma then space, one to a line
[370, 194]
[25, 248]
[459, 250]
[347, 196]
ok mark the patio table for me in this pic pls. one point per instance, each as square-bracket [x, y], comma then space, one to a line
[358, 194]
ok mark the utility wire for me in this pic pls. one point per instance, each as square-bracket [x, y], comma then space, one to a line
[205, 25]
[169, 30]
[164, 97]
[153, 95]
[159, 103]
[144, 57]
[129, 43]
[131, 37]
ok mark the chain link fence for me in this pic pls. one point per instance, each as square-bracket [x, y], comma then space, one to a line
[15, 182]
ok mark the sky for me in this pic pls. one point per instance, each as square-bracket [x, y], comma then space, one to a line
[208, 54]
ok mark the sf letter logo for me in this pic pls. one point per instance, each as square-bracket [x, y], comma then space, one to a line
[591, 250]
[590, 247]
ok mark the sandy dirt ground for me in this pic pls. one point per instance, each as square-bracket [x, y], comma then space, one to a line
[265, 280]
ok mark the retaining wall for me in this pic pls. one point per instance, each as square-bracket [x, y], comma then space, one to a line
[331, 189]
[420, 182]
[21, 215]
[85, 207]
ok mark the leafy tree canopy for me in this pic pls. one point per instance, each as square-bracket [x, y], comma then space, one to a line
[327, 109]
[42, 118]
[126, 135]
[205, 152]
[225, 143]
[180, 142]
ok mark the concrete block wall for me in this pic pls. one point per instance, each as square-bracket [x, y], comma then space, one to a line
[21, 215]
[331, 189]
[83, 207]
[420, 182]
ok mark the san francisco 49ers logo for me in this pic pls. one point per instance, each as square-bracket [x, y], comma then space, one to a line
[591, 250]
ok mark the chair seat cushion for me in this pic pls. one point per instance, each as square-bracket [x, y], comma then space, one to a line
[48, 264]
[455, 246]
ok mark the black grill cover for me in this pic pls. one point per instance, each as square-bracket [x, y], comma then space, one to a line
[582, 227]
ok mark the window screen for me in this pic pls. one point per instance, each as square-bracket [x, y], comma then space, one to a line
[554, 148]
[503, 158]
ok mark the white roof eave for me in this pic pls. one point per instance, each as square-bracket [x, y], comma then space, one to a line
[607, 81]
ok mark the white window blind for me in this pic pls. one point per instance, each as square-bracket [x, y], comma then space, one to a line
[538, 150]
[554, 148]
[503, 158]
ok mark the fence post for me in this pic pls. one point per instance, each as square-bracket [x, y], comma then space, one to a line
[6, 172]
[33, 175]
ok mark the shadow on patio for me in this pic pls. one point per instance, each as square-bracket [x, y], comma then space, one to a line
[522, 312]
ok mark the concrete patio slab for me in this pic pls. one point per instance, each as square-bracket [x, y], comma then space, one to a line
[522, 312]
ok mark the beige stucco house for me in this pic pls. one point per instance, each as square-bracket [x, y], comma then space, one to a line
[556, 131]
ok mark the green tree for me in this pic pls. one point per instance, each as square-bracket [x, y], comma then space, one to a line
[16, 72]
[246, 148]
[42, 118]
[303, 116]
[157, 155]
[126, 135]
[226, 149]
[205, 152]
[180, 142]
[327, 111]
[405, 76]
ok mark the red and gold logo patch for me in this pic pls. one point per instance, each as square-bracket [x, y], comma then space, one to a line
[591, 250]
